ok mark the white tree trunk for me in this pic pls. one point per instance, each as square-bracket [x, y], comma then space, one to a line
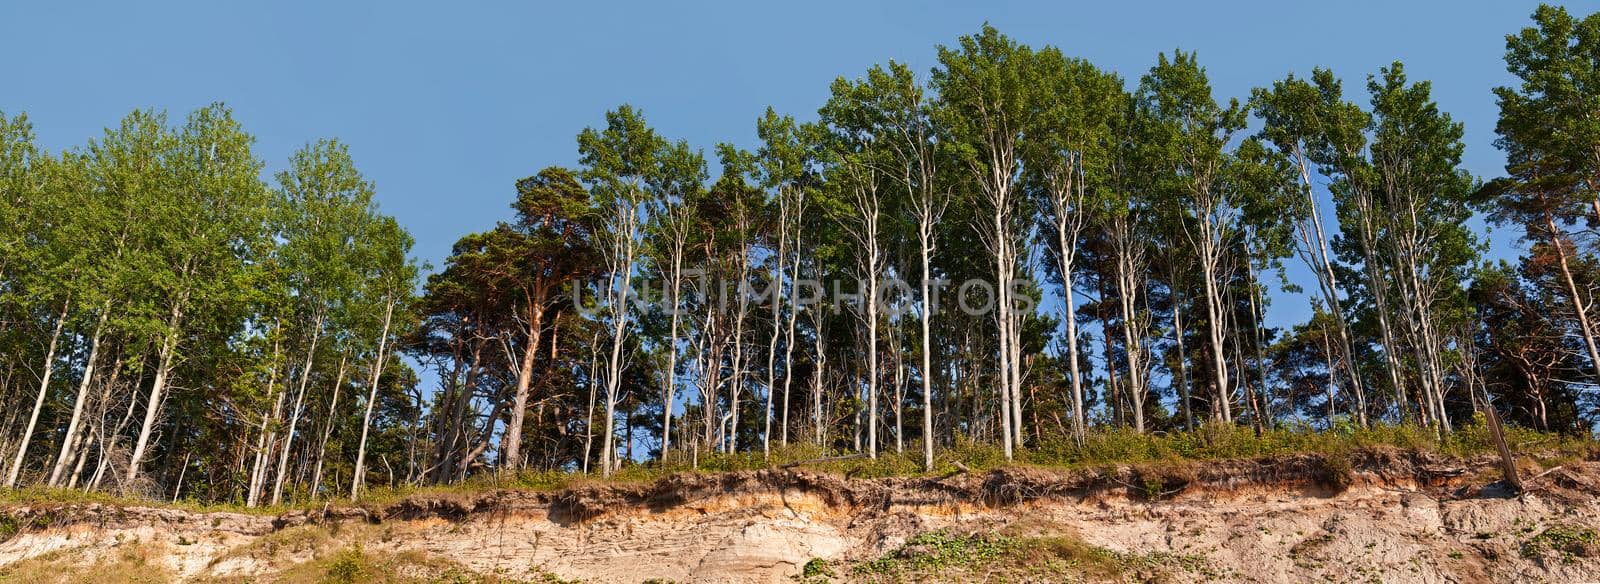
[69, 445]
[360, 471]
[38, 403]
[327, 429]
[157, 389]
[294, 414]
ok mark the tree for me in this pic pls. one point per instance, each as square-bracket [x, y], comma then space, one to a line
[1549, 127]
[1193, 132]
[387, 285]
[1293, 112]
[988, 101]
[1068, 159]
[548, 247]
[1419, 201]
[32, 249]
[326, 205]
[620, 164]
[783, 161]
[1343, 157]
[202, 230]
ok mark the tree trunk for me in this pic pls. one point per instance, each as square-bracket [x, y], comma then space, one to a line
[69, 444]
[788, 343]
[519, 409]
[1003, 325]
[157, 388]
[327, 429]
[1578, 305]
[776, 292]
[1328, 283]
[38, 403]
[1183, 360]
[926, 372]
[359, 474]
[294, 414]
[614, 366]
[1218, 356]
[258, 470]
[671, 381]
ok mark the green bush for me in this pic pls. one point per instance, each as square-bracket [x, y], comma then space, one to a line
[348, 567]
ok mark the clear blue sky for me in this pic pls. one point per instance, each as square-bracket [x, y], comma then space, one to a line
[444, 106]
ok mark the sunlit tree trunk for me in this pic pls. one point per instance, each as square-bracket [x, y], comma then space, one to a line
[38, 403]
[534, 303]
[327, 429]
[1579, 307]
[679, 234]
[294, 414]
[69, 444]
[775, 292]
[169, 346]
[358, 476]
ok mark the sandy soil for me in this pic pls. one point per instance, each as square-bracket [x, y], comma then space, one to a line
[1389, 516]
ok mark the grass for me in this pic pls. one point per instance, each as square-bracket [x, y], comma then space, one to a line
[1116, 447]
[944, 555]
[132, 563]
[1100, 449]
[1569, 541]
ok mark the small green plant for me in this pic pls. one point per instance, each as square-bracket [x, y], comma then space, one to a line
[9, 526]
[816, 569]
[1336, 471]
[941, 550]
[349, 567]
[1568, 540]
[1152, 489]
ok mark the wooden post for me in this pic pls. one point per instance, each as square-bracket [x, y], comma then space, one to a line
[1508, 464]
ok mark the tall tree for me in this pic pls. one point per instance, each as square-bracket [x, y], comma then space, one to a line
[1294, 112]
[621, 162]
[988, 101]
[1549, 127]
[1071, 148]
[1193, 132]
[202, 230]
[546, 248]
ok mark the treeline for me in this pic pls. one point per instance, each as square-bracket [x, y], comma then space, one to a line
[171, 324]
[174, 325]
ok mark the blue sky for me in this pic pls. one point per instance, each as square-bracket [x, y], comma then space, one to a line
[444, 107]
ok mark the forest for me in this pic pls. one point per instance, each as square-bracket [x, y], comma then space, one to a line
[175, 324]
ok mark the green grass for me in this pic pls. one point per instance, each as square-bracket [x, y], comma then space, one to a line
[1115, 447]
[946, 555]
[1569, 541]
[1100, 449]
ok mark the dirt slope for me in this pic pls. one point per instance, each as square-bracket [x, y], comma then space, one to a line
[1372, 516]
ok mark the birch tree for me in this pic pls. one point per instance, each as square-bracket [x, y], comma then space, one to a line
[619, 163]
[1293, 111]
[1192, 132]
[1080, 107]
[988, 100]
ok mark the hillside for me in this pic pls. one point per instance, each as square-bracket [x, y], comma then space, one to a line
[1375, 514]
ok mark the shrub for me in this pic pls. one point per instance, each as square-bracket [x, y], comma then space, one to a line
[348, 567]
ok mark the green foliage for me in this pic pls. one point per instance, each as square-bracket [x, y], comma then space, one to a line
[348, 567]
[1570, 541]
[9, 527]
[939, 551]
[242, 319]
[816, 568]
